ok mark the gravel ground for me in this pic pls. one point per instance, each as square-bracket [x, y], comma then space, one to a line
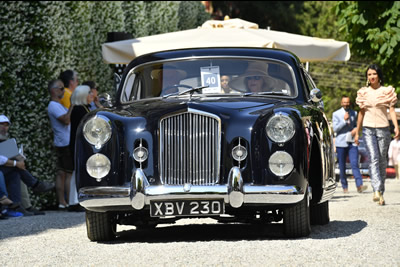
[360, 233]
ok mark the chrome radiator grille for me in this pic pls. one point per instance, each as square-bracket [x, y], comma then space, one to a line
[190, 148]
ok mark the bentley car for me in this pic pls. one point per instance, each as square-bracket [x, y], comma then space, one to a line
[234, 134]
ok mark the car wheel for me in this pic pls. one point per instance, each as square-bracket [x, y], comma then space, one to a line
[296, 219]
[319, 213]
[100, 226]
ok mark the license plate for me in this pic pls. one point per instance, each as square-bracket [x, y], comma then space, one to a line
[186, 208]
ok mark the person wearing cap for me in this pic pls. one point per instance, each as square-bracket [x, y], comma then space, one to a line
[60, 120]
[14, 171]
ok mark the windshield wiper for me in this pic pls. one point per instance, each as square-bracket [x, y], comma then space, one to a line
[191, 91]
[264, 93]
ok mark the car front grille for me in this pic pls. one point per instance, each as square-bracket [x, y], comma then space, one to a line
[190, 148]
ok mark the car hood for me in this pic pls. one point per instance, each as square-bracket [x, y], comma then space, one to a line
[216, 105]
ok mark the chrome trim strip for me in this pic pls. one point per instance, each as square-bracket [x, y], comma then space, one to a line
[235, 193]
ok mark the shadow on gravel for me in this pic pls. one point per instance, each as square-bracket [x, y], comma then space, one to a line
[32, 225]
[233, 232]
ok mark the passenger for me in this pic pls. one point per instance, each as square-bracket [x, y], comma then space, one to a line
[254, 80]
[225, 79]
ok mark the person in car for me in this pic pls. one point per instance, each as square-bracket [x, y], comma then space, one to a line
[255, 79]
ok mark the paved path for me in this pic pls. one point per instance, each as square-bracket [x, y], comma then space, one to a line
[360, 233]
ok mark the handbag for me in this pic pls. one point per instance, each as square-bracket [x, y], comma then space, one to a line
[390, 172]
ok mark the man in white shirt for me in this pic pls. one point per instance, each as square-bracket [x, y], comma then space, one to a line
[14, 170]
[60, 119]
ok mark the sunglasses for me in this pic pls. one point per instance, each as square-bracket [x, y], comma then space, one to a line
[61, 88]
[254, 78]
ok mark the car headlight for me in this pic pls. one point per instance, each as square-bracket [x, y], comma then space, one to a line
[97, 131]
[280, 128]
[98, 166]
[281, 163]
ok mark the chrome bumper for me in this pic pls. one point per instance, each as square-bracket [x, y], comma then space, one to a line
[139, 193]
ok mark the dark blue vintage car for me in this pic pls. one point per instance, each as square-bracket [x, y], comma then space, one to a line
[177, 143]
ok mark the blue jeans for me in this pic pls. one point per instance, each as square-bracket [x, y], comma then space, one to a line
[342, 153]
[13, 182]
[13, 177]
[3, 188]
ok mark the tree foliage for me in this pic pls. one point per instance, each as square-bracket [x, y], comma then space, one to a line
[278, 15]
[373, 30]
[39, 39]
[317, 18]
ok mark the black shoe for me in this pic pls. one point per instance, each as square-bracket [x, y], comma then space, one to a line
[76, 208]
[3, 211]
[24, 211]
[42, 187]
[35, 211]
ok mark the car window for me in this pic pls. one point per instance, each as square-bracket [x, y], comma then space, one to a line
[309, 82]
[216, 76]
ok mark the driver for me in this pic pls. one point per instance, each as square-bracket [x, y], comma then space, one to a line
[170, 77]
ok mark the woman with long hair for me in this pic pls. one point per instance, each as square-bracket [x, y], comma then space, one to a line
[374, 100]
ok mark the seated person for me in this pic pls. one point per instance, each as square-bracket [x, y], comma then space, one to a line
[4, 200]
[255, 79]
[225, 89]
[169, 77]
[14, 170]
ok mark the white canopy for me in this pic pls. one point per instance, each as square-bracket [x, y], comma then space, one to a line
[228, 33]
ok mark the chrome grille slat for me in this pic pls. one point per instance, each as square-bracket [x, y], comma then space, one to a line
[190, 148]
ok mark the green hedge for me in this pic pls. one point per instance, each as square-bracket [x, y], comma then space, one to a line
[39, 39]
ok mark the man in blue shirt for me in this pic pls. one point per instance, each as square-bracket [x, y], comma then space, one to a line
[344, 125]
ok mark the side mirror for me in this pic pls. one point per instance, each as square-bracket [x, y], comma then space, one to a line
[105, 100]
[315, 95]
[117, 81]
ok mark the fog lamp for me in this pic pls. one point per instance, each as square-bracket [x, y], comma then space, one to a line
[98, 166]
[281, 163]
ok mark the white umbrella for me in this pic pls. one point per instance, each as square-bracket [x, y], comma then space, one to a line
[229, 33]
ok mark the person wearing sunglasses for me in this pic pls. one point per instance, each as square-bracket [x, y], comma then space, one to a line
[255, 84]
[255, 79]
[70, 81]
[60, 119]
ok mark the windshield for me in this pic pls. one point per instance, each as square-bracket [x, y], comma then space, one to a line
[216, 77]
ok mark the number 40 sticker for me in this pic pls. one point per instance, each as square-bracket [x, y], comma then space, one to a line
[210, 77]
